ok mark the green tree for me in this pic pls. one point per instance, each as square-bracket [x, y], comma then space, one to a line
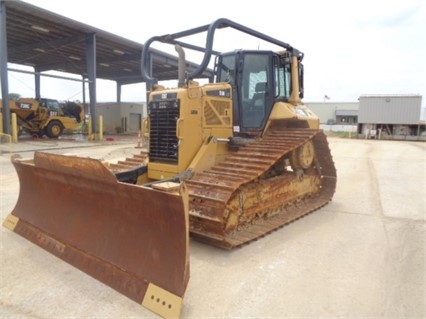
[14, 96]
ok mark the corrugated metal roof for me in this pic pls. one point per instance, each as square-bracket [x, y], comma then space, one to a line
[48, 41]
[389, 95]
[390, 109]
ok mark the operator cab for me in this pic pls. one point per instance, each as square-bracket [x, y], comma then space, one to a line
[258, 79]
[52, 105]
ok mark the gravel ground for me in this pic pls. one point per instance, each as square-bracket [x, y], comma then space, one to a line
[363, 255]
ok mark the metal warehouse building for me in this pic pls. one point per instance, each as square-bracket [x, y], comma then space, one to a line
[335, 112]
[390, 117]
[121, 117]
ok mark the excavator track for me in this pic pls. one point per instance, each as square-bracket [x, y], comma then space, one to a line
[215, 193]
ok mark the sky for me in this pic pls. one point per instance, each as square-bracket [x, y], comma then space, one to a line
[351, 47]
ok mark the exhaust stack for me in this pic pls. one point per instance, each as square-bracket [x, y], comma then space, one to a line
[181, 66]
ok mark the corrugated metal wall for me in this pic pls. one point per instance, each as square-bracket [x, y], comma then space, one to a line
[113, 114]
[327, 110]
[389, 109]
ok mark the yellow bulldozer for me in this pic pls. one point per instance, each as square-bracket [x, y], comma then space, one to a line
[39, 117]
[228, 162]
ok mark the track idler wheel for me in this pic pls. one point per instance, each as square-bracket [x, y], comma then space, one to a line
[303, 156]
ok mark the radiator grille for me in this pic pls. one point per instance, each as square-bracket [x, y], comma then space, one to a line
[163, 143]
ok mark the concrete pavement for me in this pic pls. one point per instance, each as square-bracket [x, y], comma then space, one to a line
[363, 255]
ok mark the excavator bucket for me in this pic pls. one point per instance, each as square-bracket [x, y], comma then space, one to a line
[132, 238]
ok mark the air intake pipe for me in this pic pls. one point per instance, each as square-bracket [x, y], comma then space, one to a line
[181, 65]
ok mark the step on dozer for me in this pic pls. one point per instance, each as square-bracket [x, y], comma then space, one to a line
[77, 210]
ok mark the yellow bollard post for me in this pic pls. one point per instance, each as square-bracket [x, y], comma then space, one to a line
[101, 128]
[89, 128]
[14, 129]
[1, 122]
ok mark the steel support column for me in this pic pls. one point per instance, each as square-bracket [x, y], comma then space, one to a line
[37, 82]
[118, 92]
[83, 85]
[91, 75]
[3, 69]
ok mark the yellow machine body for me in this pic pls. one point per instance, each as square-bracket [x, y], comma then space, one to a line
[227, 162]
[46, 116]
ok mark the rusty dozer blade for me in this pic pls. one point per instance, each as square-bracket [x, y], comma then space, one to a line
[132, 238]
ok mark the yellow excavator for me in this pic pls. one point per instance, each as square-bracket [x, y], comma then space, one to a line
[228, 162]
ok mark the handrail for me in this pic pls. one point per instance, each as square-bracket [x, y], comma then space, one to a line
[208, 49]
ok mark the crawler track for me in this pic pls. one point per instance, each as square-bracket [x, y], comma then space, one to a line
[219, 213]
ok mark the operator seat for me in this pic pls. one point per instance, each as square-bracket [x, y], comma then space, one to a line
[259, 97]
[254, 115]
